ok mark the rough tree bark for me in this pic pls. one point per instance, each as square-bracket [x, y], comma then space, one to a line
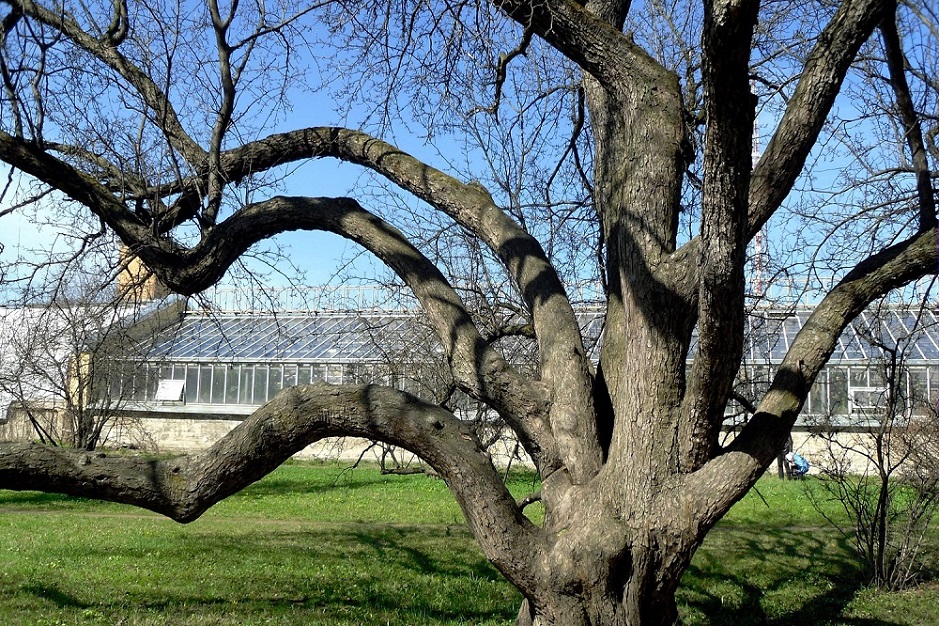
[633, 472]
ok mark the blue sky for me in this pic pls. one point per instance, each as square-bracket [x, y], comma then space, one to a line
[319, 255]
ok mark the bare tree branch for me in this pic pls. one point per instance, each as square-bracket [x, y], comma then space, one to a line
[730, 114]
[117, 29]
[825, 68]
[766, 432]
[185, 487]
[152, 95]
[913, 131]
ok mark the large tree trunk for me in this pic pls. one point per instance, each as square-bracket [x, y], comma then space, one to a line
[616, 554]
[632, 474]
[613, 573]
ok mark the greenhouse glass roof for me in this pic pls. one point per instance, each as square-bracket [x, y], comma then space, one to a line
[913, 332]
[376, 337]
[323, 338]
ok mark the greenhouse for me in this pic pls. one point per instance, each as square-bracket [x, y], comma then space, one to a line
[232, 362]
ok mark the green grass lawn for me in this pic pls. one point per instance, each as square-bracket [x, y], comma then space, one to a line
[319, 545]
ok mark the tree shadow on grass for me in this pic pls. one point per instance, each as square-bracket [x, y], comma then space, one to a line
[350, 574]
[51, 593]
[397, 544]
[346, 482]
[747, 576]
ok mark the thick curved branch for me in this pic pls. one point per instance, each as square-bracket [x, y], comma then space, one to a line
[164, 114]
[911, 126]
[765, 434]
[184, 488]
[565, 368]
[730, 112]
[815, 93]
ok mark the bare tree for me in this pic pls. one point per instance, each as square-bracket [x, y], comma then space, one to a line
[651, 185]
[879, 462]
[60, 350]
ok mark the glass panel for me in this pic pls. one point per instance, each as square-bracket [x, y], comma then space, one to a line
[319, 373]
[852, 349]
[135, 379]
[334, 374]
[304, 375]
[151, 376]
[777, 340]
[859, 377]
[275, 381]
[116, 381]
[933, 373]
[260, 384]
[868, 400]
[218, 383]
[247, 384]
[126, 389]
[192, 383]
[818, 398]
[205, 384]
[351, 373]
[379, 374]
[761, 377]
[759, 342]
[114, 384]
[928, 340]
[290, 375]
[838, 390]
[231, 385]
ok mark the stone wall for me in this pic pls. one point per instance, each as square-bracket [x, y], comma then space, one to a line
[169, 432]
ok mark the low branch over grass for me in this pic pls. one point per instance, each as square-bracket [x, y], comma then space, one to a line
[183, 488]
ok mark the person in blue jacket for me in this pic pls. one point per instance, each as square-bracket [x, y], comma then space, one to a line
[798, 466]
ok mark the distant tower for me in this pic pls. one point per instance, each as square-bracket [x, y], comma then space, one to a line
[135, 282]
[758, 259]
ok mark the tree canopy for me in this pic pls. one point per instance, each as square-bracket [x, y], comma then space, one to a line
[529, 144]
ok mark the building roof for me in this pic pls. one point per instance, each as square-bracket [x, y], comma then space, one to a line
[377, 337]
[914, 332]
[329, 337]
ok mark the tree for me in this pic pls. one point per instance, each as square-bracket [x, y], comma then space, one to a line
[880, 463]
[652, 179]
[60, 350]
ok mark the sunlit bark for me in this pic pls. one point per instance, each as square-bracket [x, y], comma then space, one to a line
[632, 469]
